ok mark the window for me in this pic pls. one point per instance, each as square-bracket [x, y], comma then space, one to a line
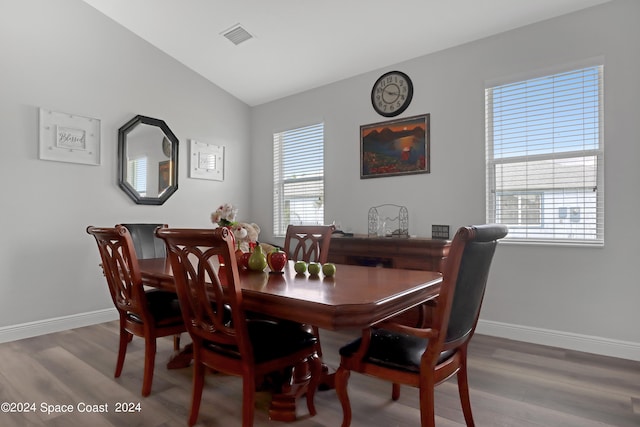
[544, 155]
[298, 171]
[520, 209]
[138, 175]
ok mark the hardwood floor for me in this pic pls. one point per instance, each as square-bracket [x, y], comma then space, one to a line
[512, 384]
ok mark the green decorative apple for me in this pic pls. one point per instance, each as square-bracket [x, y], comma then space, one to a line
[329, 269]
[300, 267]
[314, 268]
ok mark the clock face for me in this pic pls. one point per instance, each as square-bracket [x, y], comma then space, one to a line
[392, 93]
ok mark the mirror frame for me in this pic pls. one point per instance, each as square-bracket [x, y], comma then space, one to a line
[122, 160]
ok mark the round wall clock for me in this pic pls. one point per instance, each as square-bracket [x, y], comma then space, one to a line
[392, 93]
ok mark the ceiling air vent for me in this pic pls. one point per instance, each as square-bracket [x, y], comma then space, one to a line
[237, 34]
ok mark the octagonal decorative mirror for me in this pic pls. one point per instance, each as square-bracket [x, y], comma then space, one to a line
[147, 160]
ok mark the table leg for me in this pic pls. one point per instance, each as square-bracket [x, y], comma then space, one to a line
[285, 394]
[182, 358]
[283, 403]
[294, 386]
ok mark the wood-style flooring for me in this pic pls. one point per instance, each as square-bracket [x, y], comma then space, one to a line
[512, 384]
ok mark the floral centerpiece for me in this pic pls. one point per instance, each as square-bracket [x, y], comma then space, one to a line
[245, 234]
[225, 215]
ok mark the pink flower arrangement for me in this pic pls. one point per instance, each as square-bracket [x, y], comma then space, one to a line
[225, 215]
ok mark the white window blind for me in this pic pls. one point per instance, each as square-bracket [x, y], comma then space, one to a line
[544, 155]
[138, 173]
[298, 170]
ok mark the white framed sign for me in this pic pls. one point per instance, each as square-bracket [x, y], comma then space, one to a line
[206, 161]
[69, 138]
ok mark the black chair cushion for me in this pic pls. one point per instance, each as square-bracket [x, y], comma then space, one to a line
[270, 340]
[164, 308]
[393, 350]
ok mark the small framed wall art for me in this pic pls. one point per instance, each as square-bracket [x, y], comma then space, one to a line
[69, 138]
[206, 161]
[395, 147]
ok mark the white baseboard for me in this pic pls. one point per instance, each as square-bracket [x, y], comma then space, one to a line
[57, 324]
[585, 343]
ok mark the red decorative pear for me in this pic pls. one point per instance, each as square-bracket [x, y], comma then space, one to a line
[244, 260]
[238, 255]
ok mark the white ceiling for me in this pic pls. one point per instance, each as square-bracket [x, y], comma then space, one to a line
[303, 44]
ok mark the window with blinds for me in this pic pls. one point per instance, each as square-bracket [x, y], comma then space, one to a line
[138, 175]
[544, 156]
[298, 171]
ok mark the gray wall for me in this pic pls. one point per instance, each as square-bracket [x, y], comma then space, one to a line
[66, 56]
[583, 298]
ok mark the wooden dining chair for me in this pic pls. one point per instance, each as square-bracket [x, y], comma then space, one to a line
[148, 246]
[224, 339]
[144, 313]
[308, 242]
[426, 357]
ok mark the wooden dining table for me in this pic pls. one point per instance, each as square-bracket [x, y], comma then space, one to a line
[356, 297]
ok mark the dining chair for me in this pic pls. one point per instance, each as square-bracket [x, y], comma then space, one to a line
[145, 243]
[144, 313]
[224, 339]
[426, 357]
[308, 242]
[147, 246]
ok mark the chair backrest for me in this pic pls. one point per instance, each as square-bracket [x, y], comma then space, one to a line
[464, 281]
[206, 290]
[146, 244]
[308, 242]
[120, 267]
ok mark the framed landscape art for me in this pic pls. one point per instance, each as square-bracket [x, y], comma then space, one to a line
[395, 147]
